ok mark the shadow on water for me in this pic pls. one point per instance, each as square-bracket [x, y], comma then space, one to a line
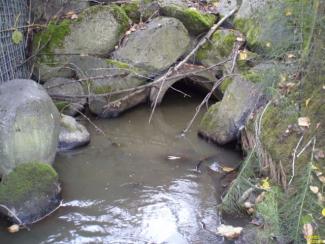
[130, 192]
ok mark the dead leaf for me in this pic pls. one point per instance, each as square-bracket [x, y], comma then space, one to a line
[320, 198]
[229, 231]
[291, 55]
[243, 55]
[288, 12]
[227, 169]
[308, 231]
[307, 102]
[268, 44]
[260, 198]
[128, 32]
[240, 39]
[248, 205]
[304, 122]
[319, 154]
[314, 189]
[13, 228]
[322, 179]
[74, 16]
[250, 210]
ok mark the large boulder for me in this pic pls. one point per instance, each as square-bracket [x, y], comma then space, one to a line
[96, 31]
[29, 125]
[267, 25]
[29, 193]
[100, 76]
[156, 47]
[222, 122]
[45, 10]
[66, 87]
[193, 19]
[72, 134]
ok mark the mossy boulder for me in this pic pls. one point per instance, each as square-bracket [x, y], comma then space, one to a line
[101, 76]
[30, 191]
[193, 19]
[72, 134]
[219, 48]
[66, 87]
[29, 125]
[223, 121]
[269, 30]
[96, 31]
[156, 47]
[138, 10]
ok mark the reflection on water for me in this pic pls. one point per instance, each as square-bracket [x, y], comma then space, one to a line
[130, 192]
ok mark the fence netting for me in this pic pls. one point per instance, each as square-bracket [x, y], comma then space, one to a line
[14, 15]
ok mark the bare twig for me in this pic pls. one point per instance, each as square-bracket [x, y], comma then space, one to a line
[294, 159]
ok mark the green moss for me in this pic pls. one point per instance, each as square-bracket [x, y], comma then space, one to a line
[220, 46]
[27, 179]
[61, 105]
[50, 39]
[121, 18]
[207, 123]
[253, 76]
[224, 85]
[117, 64]
[195, 21]
[132, 10]
[102, 89]
[251, 30]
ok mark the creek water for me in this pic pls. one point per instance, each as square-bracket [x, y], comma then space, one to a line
[129, 191]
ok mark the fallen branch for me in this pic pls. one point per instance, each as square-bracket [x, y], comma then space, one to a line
[294, 159]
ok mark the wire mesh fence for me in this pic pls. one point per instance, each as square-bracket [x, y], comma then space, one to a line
[14, 14]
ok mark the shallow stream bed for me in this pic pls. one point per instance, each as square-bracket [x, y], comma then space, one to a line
[128, 191]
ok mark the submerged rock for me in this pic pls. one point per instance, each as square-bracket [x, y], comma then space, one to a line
[102, 76]
[72, 134]
[96, 31]
[193, 19]
[66, 87]
[156, 47]
[222, 122]
[29, 125]
[29, 193]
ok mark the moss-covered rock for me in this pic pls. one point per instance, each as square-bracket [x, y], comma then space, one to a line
[268, 29]
[66, 87]
[222, 122]
[218, 48]
[138, 10]
[29, 125]
[193, 19]
[30, 191]
[156, 47]
[95, 32]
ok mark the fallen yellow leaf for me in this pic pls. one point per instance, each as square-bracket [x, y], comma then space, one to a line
[268, 44]
[307, 102]
[323, 212]
[288, 12]
[227, 169]
[265, 184]
[304, 122]
[314, 189]
[243, 55]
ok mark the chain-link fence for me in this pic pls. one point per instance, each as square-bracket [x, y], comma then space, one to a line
[14, 15]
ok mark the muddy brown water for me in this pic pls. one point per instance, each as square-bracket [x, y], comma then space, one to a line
[129, 192]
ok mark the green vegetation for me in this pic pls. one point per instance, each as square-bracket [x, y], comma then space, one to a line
[27, 179]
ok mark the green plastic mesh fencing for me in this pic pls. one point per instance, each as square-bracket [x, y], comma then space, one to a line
[14, 15]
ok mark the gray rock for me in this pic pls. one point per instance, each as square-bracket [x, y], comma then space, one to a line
[141, 10]
[29, 125]
[268, 30]
[72, 134]
[222, 122]
[30, 191]
[66, 87]
[45, 10]
[155, 48]
[226, 6]
[96, 32]
[193, 19]
[106, 75]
